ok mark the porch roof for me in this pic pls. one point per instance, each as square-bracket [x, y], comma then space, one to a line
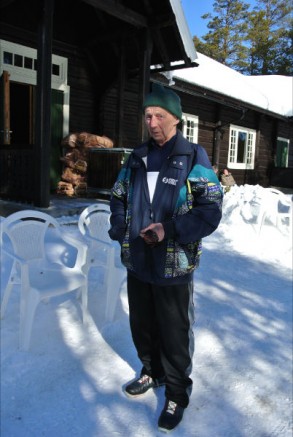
[100, 28]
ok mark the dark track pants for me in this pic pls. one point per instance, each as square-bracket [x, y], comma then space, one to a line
[161, 320]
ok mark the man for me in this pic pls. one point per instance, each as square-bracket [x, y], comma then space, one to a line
[165, 200]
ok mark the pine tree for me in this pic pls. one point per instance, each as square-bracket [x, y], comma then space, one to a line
[227, 29]
[252, 42]
[270, 38]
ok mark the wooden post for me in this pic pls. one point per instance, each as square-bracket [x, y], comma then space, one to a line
[5, 110]
[43, 106]
[217, 144]
[120, 98]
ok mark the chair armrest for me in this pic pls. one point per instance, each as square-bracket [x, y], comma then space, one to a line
[81, 247]
[88, 240]
[24, 267]
[13, 255]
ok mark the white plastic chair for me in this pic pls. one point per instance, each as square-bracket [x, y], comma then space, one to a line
[94, 223]
[24, 236]
[276, 206]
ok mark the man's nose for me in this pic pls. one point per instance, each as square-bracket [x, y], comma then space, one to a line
[153, 122]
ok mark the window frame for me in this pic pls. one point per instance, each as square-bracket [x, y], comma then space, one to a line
[190, 117]
[282, 140]
[250, 145]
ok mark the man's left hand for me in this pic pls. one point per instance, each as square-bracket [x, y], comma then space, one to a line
[153, 234]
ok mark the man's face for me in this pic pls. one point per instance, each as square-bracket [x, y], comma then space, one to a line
[161, 124]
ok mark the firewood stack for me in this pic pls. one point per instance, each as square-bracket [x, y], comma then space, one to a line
[74, 175]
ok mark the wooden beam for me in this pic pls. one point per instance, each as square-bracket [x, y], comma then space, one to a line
[120, 98]
[4, 3]
[5, 134]
[43, 106]
[217, 143]
[112, 36]
[155, 26]
[169, 67]
[121, 12]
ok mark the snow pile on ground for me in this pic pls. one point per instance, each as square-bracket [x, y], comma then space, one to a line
[69, 382]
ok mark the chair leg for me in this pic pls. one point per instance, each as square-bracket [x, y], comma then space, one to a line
[260, 221]
[28, 304]
[114, 282]
[5, 299]
[12, 280]
[84, 303]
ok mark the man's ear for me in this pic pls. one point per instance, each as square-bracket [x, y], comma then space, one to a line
[176, 121]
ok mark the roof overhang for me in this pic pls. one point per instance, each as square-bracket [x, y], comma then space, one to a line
[101, 28]
[167, 26]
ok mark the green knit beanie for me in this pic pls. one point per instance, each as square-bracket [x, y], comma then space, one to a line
[165, 98]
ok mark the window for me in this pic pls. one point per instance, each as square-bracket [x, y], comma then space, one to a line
[190, 127]
[282, 152]
[241, 148]
[9, 58]
[20, 62]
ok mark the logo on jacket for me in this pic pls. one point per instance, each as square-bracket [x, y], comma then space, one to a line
[170, 181]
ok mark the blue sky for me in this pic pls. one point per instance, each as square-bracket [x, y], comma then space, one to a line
[194, 9]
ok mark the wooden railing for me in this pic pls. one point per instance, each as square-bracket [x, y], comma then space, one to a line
[17, 174]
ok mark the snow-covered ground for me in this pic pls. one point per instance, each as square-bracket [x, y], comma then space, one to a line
[69, 382]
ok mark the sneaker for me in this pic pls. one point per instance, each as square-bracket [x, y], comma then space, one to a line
[170, 417]
[142, 385]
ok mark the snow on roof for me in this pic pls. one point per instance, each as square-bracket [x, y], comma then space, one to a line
[184, 30]
[279, 91]
[272, 93]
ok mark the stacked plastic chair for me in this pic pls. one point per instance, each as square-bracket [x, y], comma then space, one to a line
[94, 223]
[23, 239]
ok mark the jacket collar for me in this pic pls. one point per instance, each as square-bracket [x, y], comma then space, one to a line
[182, 146]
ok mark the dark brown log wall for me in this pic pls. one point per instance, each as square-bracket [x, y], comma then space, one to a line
[93, 108]
[131, 113]
[267, 130]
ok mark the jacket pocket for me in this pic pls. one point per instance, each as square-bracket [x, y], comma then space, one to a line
[181, 259]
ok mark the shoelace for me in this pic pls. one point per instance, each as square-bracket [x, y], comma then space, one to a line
[144, 378]
[171, 407]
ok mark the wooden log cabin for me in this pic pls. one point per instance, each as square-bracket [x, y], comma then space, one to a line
[105, 56]
[244, 122]
[77, 66]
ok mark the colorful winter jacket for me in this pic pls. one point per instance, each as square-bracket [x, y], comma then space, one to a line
[187, 201]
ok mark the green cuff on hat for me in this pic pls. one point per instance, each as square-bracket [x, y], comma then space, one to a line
[164, 98]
